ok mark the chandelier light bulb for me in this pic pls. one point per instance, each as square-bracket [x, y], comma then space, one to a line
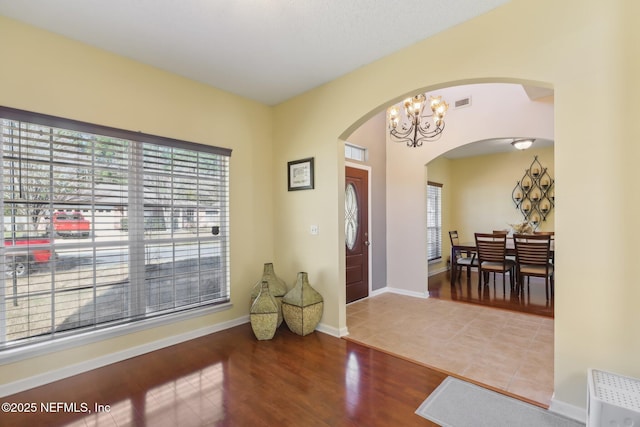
[441, 109]
[413, 106]
[394, 116]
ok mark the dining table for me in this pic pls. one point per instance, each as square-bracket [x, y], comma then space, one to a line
[471, 247]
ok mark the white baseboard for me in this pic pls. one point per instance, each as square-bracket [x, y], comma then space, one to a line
[567, 410]
[379, 292]
[414, 294]
[330, 330]
[438, 271]
[78, 368]
[399, 292]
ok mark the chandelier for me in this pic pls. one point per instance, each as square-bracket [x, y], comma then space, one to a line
[413, 129]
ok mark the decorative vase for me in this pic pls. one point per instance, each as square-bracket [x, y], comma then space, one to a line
[264, 314]
[302, 306]
[277, 287]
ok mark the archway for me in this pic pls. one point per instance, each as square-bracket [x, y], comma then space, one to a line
[501, 111]
[497, 110]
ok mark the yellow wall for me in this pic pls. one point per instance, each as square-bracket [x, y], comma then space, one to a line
[588, 52]
[481, 190]
[49, 74]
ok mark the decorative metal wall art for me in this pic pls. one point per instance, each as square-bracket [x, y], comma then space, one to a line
[534, 194]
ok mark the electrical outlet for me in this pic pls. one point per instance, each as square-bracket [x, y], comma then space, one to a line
[314, 230]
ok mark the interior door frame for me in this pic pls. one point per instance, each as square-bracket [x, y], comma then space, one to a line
[371, 237]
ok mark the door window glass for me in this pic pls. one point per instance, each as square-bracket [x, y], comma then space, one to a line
[351, 216]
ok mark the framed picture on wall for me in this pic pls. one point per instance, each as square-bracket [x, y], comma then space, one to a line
[300, 174]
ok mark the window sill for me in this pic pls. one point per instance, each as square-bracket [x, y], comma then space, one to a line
[11, 355]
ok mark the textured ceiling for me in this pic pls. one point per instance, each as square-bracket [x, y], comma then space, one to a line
[266, 50]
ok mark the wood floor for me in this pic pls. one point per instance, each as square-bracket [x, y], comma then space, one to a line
[231, 379]
[531, 300]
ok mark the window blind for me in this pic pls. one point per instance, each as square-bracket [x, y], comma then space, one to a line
[434, 221]
[103, 227]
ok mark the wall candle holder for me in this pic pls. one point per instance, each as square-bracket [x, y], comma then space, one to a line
[534, 195]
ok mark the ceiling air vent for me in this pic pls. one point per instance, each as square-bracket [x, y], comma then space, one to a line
[464, 102]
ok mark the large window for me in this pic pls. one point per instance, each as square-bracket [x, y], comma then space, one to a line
[434, 221]
[103, 227]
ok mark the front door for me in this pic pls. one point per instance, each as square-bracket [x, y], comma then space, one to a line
[356, 201]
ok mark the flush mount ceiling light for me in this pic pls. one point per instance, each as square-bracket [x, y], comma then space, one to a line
[412, 128]
[522, 144]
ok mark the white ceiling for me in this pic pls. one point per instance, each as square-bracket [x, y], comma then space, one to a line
[266, 50]
[491, 146]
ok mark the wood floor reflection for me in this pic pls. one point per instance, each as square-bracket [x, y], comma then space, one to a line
[532, 299]
[231, 379]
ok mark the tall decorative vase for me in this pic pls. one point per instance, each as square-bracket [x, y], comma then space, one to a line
[277, 287]
[264, 314]
[302, 306]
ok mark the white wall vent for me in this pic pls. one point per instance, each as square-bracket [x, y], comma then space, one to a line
[464, 102]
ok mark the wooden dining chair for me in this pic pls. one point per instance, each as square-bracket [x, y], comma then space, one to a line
[463, 259]
[492, 257]
[551, 234]
[506, 233]
[533, 259]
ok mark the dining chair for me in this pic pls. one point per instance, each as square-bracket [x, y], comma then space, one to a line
[551, 234]
[533, 259]
[463, 259]
[492, 257]
[506, 233]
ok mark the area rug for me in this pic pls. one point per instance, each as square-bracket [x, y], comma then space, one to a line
[457, 403]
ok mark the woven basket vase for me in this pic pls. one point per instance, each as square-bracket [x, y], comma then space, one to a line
[302, 306]
[277, 288]
[264, 314]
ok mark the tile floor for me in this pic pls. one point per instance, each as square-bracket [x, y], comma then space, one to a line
[502, 349]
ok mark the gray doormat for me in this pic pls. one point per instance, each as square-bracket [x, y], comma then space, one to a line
[457, 403]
